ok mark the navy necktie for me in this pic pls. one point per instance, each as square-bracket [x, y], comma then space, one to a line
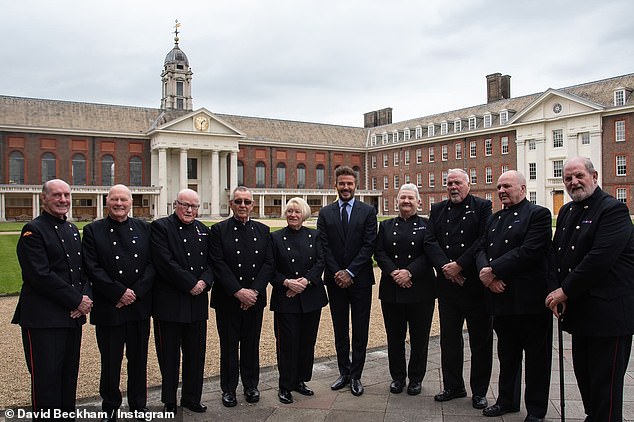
[344, 218]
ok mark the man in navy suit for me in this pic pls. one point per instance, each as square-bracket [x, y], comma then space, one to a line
[594, 259]
[347, 231]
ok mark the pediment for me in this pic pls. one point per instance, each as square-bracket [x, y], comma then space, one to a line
[554, 104]
[201, 122]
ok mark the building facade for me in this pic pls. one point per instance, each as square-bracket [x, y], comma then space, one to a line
[158, 152]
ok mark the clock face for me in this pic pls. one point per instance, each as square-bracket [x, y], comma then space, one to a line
[201, 123]
[557, 108]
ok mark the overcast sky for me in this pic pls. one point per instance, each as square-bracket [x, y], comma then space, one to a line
[325, 61]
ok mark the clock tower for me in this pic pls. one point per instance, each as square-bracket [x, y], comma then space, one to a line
[177, 79]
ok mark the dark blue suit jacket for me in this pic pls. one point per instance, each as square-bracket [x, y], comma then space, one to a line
[353, 253]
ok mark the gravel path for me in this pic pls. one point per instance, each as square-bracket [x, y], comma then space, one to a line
[14, 376]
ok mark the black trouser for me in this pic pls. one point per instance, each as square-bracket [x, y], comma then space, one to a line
[397, 317]
[343, 302]
[532, 335]
[171, 338]
[239, 335]
[52, 358]
[600, 364]
[453, 313]
[295, 336]
[111, 340]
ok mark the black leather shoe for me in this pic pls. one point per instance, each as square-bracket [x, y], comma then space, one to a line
[285, 396]
[414, 388]
[341, 382]
[447, 394]
[356, 388]
[497, 410]
[479, 402]
[252, 395]
[396, 386]
[170, 407]
[303, 389]
[194, 407]
[142, 414]
[533, 418]
[229, 399]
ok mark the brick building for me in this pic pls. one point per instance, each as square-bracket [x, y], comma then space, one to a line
[158, 151]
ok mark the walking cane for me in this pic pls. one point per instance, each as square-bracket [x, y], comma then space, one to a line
[562, 397]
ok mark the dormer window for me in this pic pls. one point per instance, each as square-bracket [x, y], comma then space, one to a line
[406, 134]
[457, 126]
[487, 120]
[395, 136]
[385, 139]
[444, 128]
[373, 140]
[619, 97]
[431, 130]
[419, 132]
[472, 122]
[504, 117]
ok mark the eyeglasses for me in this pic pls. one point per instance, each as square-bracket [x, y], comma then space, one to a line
[246, 202]
[186, 205]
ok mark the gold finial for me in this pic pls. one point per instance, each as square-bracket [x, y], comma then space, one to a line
[177, 25]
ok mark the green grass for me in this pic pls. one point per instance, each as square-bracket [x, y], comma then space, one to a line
[10, 275]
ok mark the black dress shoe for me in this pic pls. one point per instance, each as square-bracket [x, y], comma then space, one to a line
[356, 388]
[303, 389]
[170, 407]
[497, 410]
[229, 399]
[533, 418]
[447, 394]
[252, 395]
[414, 388]
[479, 402]
[194, 407]
[341, 382]
[396, 386]
[285, 396]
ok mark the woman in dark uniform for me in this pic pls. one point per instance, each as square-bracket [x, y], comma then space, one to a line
[297, 298]
[407, 290]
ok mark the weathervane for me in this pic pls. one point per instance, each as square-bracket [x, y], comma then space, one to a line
[177, 25]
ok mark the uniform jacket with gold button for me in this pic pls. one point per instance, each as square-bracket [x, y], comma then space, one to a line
[49, 252]
[400, 244]
[180, 254]
[516, 245]
[593, 251]
[116, 258]
[297, 253]
[242, 258]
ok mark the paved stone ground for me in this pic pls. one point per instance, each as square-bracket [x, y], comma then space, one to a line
[377, 404]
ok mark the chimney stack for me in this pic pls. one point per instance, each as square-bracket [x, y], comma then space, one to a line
[498, 87]
[377, 118]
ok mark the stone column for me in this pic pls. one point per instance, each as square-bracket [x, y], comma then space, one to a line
[3, 214]
[282, 206]
[233, 171]
[36, 205]
[183, 170]
[261, 205]
[215, 185]
[161, 208]
[99, 206]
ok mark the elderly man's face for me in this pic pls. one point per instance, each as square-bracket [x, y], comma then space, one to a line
[579, 182]
[187, 206]
[510, 190]
[242, 205]
[457, 187]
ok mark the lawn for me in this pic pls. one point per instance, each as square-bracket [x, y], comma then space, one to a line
[10, 276]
